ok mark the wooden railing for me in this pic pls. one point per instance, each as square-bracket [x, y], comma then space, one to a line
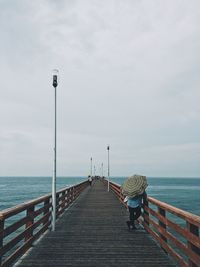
[20, 226]
[175, 230]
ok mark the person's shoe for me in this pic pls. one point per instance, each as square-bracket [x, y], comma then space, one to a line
[129, 225]
[133, 227]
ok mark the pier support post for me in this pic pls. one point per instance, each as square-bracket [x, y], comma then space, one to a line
[46, 210]
[1, 235]
[162, 212]
[30, 222]
[195, 231]
[146, 213]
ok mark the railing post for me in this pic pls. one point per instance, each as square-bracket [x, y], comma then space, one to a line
[121, 198]
[75, 191]
[57, 204]
[67, 197]
[1, 235]
[30, 222]
[63, 201]
[195, 231]
[163, 225]
[46, 209]
[73, 194]
[146, 213]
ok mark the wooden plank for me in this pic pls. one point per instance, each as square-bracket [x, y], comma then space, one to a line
[93, 232]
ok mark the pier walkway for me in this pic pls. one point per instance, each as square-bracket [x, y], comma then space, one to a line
[93, 232]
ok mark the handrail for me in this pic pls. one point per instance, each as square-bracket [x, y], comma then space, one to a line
[181, 242]
[176, 211]
[21, 207]
[21, 225]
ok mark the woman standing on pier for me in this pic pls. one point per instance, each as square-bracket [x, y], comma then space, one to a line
[134, 206]
[134, 190]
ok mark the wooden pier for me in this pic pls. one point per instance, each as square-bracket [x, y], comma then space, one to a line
[91, 231]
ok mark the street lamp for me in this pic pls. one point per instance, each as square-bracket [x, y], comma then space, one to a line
[108, 148]
[91, 166]
[55, 84]
[102, 169]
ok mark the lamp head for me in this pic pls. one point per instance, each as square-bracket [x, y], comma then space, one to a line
[55, 73]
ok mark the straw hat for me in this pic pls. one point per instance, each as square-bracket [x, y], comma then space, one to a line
[134, 185]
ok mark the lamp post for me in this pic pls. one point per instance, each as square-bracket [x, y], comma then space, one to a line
[91, 166]
[55, 84]
[102, 169]
[108, 148]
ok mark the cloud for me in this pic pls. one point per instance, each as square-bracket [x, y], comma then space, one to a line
[129, 76]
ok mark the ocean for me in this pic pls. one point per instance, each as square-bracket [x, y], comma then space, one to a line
[17, 190]
[183, 193]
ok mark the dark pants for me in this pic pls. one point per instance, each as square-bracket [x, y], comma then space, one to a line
[134, 214]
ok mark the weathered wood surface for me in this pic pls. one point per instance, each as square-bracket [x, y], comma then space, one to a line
[93, 232]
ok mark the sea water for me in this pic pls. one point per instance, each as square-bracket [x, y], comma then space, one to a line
[17, 190]
[183, 193]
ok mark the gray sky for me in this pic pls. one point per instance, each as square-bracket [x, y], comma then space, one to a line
[129, 77]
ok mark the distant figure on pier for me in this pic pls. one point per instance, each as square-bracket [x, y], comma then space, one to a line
[90, 180]
[134, 206]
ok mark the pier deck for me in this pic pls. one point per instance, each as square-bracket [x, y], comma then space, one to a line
[93, 232]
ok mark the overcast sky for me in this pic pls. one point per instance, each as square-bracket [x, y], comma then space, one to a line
[129, 77]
